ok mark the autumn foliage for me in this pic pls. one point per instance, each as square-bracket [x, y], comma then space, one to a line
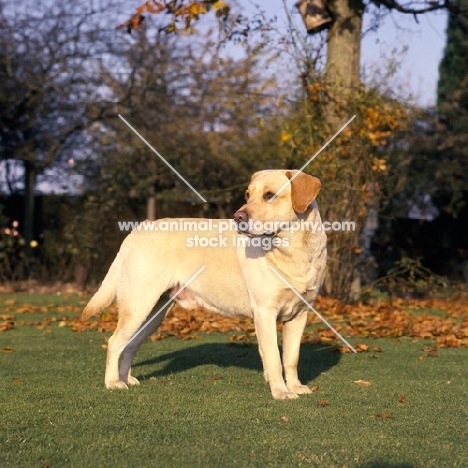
[182, 14]
[444, 321]
[359, 170]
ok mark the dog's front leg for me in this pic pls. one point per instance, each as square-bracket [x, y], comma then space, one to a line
[292, 334]
[265, 328]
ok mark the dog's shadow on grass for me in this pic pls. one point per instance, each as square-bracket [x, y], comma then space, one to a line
[314, 360]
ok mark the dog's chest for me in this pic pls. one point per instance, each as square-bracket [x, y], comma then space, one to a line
[292, 303]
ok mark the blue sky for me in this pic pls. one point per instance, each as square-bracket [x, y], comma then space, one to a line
[425, 44]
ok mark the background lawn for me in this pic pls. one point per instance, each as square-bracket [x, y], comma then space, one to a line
[205, 403]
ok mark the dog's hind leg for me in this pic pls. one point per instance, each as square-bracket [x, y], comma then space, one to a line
[134, 308]
[148, 327]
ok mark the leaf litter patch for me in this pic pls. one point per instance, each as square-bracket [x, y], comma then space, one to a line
[447, 326]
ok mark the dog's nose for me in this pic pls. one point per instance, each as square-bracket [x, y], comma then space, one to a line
[241, 216]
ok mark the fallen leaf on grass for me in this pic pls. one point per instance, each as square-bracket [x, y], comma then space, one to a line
[7, 325]
[157, 337]
[104, 346]
[383, 416]
[315, 388]
[216, 377]
[322, 403]
[6, 317]
[364, 383]
[24, 309]
[285, 419]
[431, 351]
[451, 341]
[17, 380]
[310, 338]
[240, 338]
[43, 324]
[326, 339]
[164, 382]
[362, 347]
[402, 399]
[7, 349]
[377, 349]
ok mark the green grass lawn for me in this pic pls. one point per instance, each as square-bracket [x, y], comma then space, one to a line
[205, 403]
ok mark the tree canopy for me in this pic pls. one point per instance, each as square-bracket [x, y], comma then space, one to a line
[452, 92]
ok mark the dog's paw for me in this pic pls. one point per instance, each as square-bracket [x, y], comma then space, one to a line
[284, 395]
[299, 389]
[114, 384]
[133, 381]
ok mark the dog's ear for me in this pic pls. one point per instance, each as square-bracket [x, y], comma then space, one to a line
[304, 189]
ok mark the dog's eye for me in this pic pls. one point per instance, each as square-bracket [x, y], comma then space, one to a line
[246, 195]
[268, 195]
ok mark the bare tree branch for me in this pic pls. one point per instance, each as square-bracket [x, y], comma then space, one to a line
[426, 6]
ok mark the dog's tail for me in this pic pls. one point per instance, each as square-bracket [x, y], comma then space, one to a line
[106, 293]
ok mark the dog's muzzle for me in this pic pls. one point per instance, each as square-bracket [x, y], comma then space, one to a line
[244, 225]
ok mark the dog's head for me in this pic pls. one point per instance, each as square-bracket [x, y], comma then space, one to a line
[274, 197]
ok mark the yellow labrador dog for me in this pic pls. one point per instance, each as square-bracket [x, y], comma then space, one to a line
[273, 243]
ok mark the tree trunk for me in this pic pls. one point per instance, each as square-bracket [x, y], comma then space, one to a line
[151, 206]
[342, 79]
[28, 231]
[343, 57]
